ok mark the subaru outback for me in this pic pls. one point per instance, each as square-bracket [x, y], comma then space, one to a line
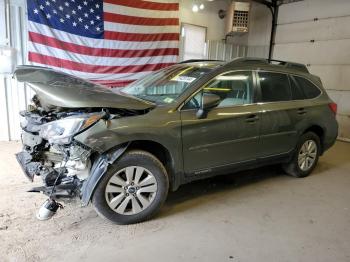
[124, 150]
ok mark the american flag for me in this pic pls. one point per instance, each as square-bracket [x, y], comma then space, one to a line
[112, 42]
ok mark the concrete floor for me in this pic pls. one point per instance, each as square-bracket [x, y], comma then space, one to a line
[260, 215]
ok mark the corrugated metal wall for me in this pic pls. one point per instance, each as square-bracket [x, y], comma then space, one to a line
[219, 50]
[13, 96]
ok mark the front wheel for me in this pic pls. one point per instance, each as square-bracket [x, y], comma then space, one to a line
[133, 189]
[305, 157]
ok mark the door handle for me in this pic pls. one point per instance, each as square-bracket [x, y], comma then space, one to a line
[301, 111]
[252, 118]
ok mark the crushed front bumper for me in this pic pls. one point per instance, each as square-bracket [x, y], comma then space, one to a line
[29, 168]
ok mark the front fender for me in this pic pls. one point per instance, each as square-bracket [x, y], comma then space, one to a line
[98, 169]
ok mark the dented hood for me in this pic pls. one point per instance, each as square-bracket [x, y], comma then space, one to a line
[55, 88]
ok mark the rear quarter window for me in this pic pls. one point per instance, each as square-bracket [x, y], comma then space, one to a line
[297, 92]
[274, 87]
[309, 89]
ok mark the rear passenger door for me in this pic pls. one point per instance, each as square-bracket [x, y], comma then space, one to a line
[278, 130]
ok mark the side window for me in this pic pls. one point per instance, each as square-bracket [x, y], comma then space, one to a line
[274, 87]
[310, 90]
[234, 88]
[297, 93]
[195, 102]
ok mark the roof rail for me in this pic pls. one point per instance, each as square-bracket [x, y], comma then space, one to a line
[296, 66]
[199, 60]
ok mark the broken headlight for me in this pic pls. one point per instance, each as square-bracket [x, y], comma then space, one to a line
[62, 131]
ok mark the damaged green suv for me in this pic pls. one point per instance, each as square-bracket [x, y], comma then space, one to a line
[125, 150]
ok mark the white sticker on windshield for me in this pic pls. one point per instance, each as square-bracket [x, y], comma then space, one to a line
[186, 79]
[168, 100]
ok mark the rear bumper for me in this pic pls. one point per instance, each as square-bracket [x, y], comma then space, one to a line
[331, 137]
[328, 144]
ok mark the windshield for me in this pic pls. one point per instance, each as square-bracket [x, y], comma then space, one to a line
[164, 86]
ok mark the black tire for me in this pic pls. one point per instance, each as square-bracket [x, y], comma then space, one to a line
[292, 168]
[132, 158]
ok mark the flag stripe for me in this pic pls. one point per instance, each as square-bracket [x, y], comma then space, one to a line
[125, 10]
[135, 20]
[140, 29]
[58, 62]
[102, 52]
[96, 43]
[96, 60]
[141, 37]
[146, 4]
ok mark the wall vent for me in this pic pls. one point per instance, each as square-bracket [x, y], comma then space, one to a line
[237, 18]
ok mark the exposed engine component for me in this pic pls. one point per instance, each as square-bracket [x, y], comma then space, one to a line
[50, 151]
[51, 175]
[31, 141]
[62, 167]
[78, 162]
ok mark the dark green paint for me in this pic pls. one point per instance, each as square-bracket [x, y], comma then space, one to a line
[226, 139]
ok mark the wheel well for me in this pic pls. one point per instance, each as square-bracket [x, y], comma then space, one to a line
[158, 150]
[318, 131]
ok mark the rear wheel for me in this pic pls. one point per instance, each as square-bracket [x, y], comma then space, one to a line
[133, 189]
[305, 157]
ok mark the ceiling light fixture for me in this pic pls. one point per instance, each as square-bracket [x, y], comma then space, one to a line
[201, 7]
[195, 8]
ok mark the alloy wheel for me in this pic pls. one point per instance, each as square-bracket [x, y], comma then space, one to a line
[131, 190]
[307, 155]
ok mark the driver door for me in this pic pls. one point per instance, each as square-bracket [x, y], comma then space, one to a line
[229, 133]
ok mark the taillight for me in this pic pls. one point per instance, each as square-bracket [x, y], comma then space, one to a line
[333, 107]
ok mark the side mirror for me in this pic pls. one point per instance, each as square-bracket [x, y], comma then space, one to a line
[209, 101]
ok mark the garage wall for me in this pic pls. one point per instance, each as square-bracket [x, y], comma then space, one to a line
[317, 33]
[208, 17]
